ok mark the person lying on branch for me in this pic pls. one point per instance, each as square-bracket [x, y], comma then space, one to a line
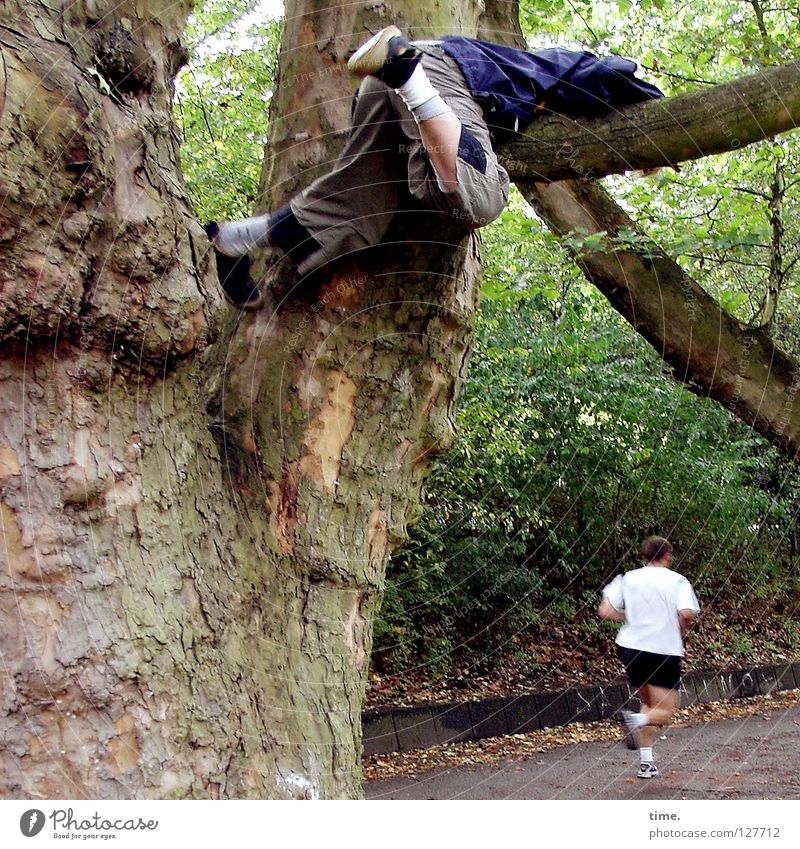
[423, 125]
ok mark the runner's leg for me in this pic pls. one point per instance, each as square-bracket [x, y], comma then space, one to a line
[659, 705]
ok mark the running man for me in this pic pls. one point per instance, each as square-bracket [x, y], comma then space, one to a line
[657, 606]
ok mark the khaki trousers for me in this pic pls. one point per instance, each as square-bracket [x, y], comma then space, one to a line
[384, 167]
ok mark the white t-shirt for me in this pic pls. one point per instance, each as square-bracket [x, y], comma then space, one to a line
[651, 598]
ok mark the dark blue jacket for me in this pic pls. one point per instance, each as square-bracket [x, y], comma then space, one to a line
[515, 85]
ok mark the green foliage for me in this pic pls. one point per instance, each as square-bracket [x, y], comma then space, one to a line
[683, 42]
[222, 102]
[574, 444]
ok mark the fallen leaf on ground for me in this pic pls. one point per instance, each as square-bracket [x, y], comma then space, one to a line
[517, 746]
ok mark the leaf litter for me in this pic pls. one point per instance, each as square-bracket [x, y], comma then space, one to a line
[517, 746]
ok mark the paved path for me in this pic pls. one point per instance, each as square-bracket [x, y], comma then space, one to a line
[757, 757]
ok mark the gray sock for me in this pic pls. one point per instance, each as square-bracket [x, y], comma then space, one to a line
[238, 238]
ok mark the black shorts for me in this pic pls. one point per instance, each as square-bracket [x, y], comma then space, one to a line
[644, 667]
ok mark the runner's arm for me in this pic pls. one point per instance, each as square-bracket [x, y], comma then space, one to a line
[608, 611]
[685, 620]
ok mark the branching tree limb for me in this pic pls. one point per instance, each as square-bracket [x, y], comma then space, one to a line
[660, 133]
[708, 349]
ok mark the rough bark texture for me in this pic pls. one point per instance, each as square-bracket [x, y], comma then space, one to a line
[660, 133]
[125, 626]
[196, 507]
[356, 371]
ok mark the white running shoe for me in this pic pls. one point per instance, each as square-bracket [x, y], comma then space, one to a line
[387, 56]
[647, 770]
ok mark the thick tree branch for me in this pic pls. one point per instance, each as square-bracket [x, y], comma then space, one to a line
[708, 349]
[661, 132]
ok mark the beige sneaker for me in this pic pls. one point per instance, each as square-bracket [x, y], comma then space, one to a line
[387, 56]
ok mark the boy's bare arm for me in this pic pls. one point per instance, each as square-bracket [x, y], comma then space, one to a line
[685, 620]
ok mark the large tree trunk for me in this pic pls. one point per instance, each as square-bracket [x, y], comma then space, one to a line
[124, 593]
[335, 398]
[196, 507]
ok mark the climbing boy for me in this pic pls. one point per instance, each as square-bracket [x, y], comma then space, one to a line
[422, 135]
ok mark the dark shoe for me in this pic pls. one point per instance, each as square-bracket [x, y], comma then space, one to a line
[387, 56]
[234, 275]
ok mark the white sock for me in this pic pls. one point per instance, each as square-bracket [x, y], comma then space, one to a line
[639, 719]
[237, 238]
[430, 109]
[646, 755]
[418, 93]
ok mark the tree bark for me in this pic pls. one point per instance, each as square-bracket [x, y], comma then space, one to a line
[356, 370]
[197, 507]
[126, 624]
[659, 133]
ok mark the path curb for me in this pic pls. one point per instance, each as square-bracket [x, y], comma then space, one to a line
[396, 729]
